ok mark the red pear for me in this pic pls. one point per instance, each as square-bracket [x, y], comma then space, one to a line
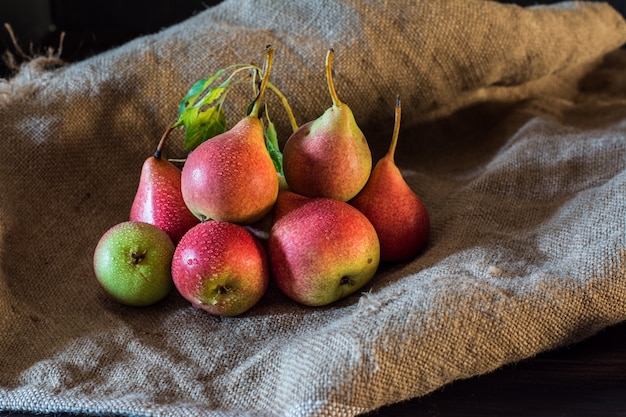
[321, 249]
[328, 157]
[231, 177]
[397, 213]
[159, 200]
[221, 268]
[286, 202]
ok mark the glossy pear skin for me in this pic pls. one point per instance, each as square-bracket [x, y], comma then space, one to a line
[328, 157]
[397, 213]
[231, 177]
[221, 268]
[321, 250]
[159, 200]
[132, 263]
[286, 202]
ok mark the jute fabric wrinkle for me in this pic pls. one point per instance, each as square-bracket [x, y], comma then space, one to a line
[513, 123]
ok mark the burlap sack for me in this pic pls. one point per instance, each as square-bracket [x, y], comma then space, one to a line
[513, 135]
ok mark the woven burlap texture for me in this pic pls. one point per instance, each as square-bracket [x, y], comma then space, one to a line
[512, 134]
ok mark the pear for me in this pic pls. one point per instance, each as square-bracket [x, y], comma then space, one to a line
[286, 202]
[320, 249]
[159, 200]
[329, 156]
[397, 213]
[132, 263]
[231, 177]
[221, 268]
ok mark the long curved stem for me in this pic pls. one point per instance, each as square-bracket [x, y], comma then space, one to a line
[281, 97]
[242, 67]
[269, 58]
[227, 89]
[396, 131]
[329, 78]
[283, 100]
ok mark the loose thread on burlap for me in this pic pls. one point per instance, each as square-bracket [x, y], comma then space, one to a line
[51, 59]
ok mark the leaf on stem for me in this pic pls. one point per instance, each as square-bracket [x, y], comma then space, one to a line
[271, 141]
[205, 125]
[196, 90]
[196, 112]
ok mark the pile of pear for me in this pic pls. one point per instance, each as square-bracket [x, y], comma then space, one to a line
[319, 232]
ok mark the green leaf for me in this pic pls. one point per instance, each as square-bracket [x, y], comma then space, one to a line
[206, 124]
[197, 89]
[188, 115]
[250, 107]
[201, 121]
[271, 141]
[196, 102]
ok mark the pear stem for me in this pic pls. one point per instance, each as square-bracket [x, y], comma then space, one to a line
[159, 149]
[396, 131]
[286, 106]
[329, 78]
[269, 58]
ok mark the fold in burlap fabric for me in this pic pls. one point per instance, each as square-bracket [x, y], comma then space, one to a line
[513, 136]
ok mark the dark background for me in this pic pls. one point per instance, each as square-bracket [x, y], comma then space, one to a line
[95, 25]
[90, 26]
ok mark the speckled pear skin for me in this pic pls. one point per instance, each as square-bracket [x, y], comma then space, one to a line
[328, 157]
[400, 218]
[132, 262]
[231, 177]
[221, 268]
[286, 202]
[159, 200]
[321, 249]
[397, 213]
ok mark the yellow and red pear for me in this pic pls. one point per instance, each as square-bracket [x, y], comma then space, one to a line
[329, 156]
[399, 216]
[321, 249]
[159, 199]
[231, 177]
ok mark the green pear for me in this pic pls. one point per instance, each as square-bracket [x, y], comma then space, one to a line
[231, 177]
[158, 199]
[321, 249]
[132, 263]
[397, 213]
[328, 157]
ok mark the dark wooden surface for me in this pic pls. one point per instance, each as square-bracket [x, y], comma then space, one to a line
[586, 379]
